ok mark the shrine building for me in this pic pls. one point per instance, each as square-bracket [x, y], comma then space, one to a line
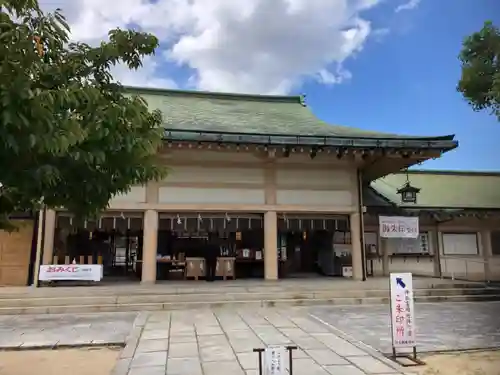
[285, 195]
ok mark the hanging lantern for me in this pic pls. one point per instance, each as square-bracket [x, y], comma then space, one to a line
[408, 192]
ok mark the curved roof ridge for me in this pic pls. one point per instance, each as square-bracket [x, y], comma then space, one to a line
[298, 99]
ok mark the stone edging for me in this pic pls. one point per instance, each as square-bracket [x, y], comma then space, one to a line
[122, 365]
[60, 347]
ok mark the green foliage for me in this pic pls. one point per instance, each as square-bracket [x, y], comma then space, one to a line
[69, 136]
[480, 58]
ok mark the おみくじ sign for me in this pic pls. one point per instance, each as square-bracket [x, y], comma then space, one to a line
[83, 272]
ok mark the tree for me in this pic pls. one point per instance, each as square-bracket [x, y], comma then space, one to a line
[480, 80]
[69, 135]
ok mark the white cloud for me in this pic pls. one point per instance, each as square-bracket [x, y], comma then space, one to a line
[263, 46]
[146, 76]
[380, 34]
[326, 77]
[409, 5]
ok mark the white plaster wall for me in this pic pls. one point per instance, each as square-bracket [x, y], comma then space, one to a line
[309, 186]
[495, 268]
[199, 174]
[467, 267]
[182, 195]
[424, 266]
[137, 194]
[315, 197]
[322, 158]
[186, 153]
[338, 178]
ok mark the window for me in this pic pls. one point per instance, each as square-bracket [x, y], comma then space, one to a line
[495, 242]
[460, 244]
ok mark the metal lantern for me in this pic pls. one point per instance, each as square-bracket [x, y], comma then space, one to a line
[408, 193]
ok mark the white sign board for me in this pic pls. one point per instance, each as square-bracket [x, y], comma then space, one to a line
[274, 360]
[398, 227]
[84, 272]
[347, 271]
[402, 310]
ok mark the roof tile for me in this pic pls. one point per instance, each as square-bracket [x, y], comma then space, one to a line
[445, 189]
[252, 114]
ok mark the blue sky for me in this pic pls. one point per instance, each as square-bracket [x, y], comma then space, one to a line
[405, 83]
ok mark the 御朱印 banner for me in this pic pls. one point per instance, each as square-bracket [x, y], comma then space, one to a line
[398, 227]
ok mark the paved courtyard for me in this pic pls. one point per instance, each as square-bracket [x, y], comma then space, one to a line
[221, 342]
[201, 342]
[440, 326]
[26, 331]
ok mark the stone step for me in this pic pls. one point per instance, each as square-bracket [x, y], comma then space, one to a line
[200, 288]
[230, 287]
[133, 298]
[277, 302]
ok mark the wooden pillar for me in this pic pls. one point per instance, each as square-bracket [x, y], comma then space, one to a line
[149, 247]
[385, 256]
[38, 256]
[487, 252]
[270, 245]
[356, 253]
[48, 237]
[434, 241]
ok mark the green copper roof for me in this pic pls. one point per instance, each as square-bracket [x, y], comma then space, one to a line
[445, 189]
[249, 114]
[372, 198]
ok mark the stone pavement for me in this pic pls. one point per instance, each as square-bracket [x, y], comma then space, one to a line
[45, 331]
[440, 326]
[220, 342]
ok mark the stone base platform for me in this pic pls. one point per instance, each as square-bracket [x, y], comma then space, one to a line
[174, 295]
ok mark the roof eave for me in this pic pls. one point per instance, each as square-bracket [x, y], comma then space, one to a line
[444, 143]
